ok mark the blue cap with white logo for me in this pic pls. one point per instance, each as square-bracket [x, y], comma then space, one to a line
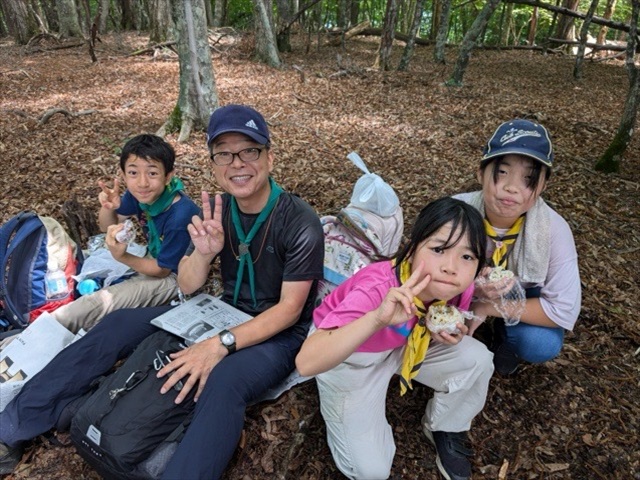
[520, 137]
[238, 119]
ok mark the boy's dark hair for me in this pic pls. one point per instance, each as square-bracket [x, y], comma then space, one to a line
[536, 170]
[465, 219]
[149, 147]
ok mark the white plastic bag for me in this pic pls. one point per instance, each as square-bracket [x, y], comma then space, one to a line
[371, 192]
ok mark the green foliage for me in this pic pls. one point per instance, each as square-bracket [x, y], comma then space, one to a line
[240, 14]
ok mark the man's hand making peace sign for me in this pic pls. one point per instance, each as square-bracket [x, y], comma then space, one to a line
[207, 233]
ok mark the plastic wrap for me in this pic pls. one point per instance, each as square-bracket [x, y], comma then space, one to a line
[502, 289]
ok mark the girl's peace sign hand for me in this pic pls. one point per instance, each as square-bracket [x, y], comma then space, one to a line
[207, 233]
[397, 306]
[109, 197]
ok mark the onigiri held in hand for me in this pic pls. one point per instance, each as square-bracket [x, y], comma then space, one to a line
[443, 318]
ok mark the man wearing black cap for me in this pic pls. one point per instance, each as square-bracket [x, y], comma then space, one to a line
[270, 246]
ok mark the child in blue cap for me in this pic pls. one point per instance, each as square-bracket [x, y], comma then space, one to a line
[527, 237]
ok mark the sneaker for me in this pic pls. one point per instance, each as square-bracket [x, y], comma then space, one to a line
[9, 458]
[451, 453]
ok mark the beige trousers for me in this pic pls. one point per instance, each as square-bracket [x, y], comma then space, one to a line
[353, 394]
[137, 291]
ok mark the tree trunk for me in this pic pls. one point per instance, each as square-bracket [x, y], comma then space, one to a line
[508, 14]
[161, 23]
[342, 15]
[565, 28]
[207, 6]
[608, 13]
[69, 24]
[584, 31]
[128, 21]
[219, 13]
[436, 18]
[49, 8]
[354, 12]
[610, 160]
[413, 32]
[443, 32]
[198, 96]
[3, 30]
[533, 26]
[285, 15]
[388, 33]
[469, 41]
[19, 20]
[38, 12]
[266, 49]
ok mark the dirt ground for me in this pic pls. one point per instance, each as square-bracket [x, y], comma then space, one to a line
[575, 417]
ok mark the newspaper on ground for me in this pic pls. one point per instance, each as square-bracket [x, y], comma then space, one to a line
[30, 352]
[205, 316]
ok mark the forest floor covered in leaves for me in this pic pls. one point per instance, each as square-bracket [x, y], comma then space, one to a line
[575, 417]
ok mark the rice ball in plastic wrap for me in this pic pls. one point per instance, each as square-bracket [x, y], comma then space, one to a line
[443, 318]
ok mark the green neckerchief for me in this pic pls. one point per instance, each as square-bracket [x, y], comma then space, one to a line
[163, 202]
[244, 241]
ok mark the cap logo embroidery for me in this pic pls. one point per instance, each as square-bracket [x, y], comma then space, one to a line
[251, 124]
[514, 134]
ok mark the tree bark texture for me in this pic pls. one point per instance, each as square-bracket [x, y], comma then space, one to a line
[436, 17]
[413, 32]
[219, 13]
[283, 36]
[103, 15]
[609, 162]
[38, 13]
[388, 34]
[209, 10]
[266, 49]
[469, 41]
[584, 31]
[20, 22]
[443, 32]
[69, 23]
[608, 13]
[198, 96]
[161, 24]
[508, 26]
[533, 27]
[49, 8]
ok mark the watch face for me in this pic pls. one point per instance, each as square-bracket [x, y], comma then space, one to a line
[228, 338]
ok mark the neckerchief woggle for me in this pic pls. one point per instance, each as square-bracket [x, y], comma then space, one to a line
[244, 240]
[418, 339]
[499, 257]
[163, 202]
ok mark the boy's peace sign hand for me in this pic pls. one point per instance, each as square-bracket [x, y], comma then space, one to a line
[207, 233]
[109, 197]
[397, 306]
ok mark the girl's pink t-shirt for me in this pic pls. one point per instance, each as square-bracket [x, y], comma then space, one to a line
[364, 292]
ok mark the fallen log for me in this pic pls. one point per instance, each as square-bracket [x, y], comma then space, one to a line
[336, 40]
[46, 116]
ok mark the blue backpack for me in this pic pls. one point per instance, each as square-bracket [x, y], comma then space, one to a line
[27, 244]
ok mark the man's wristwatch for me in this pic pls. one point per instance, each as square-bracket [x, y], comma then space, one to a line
[228, 340]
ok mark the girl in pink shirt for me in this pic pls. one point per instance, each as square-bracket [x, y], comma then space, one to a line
[368, 329]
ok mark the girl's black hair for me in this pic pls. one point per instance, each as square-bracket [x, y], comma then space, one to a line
[536, 171]
[149, 147]
[465, 220]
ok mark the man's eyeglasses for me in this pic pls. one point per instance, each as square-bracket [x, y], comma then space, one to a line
[247, 155]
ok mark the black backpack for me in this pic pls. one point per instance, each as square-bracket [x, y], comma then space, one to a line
[126, 429]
